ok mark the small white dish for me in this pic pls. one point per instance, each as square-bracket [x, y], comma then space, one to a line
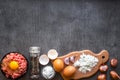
[48, 72]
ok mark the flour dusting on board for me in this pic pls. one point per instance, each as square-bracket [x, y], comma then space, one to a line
[86, 63]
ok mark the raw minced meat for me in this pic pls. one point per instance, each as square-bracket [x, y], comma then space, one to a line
[22, 62]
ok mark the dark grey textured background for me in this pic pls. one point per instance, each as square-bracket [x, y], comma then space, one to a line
[64, 25]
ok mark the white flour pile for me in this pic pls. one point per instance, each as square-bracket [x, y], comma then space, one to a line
[86, 63]
[48, 72]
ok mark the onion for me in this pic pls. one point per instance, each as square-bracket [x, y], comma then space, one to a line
[101, 77]
[114, 62]
[114, 75]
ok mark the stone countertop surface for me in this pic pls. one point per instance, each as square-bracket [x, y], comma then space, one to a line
[65, 25]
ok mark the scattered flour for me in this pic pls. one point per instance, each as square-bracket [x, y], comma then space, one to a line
[86, 62]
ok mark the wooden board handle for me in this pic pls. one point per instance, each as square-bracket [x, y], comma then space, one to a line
[103, 56]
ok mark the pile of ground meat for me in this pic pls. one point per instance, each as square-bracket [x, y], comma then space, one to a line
[14, 73]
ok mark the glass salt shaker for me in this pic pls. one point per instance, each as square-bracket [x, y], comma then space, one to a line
[34, 61]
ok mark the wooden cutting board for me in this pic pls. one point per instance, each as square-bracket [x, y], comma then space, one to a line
[102, 57]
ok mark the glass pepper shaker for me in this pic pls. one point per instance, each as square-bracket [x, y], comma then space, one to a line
[34, 61]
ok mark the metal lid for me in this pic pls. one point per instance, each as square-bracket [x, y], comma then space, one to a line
[34, 49]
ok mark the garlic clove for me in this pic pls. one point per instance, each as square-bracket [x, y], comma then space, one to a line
[103, 68]
[67, 61]
[72, 59]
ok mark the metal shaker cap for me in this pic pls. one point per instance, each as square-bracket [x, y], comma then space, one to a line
[34, 49]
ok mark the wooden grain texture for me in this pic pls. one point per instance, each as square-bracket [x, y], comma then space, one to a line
[66, 25]
[102, 57]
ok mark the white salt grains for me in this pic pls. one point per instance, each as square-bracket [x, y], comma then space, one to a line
[48, 72]
[86, 63]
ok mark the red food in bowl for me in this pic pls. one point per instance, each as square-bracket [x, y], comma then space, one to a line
[10, 73]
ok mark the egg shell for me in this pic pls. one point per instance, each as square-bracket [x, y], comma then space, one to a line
[52, 54]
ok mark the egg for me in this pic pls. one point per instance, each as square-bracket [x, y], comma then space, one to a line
[69, 71]
[13, 65]
[58, 65]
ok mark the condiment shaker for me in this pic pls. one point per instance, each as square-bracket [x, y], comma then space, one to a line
[34, 61]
